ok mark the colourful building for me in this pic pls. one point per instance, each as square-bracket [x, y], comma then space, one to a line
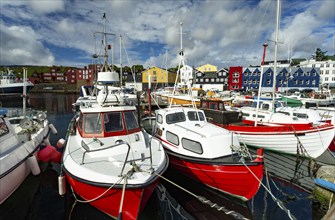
[159, 78]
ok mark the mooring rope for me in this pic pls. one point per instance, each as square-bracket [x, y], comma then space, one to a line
[279, 203]
[99, 196]
[122, 198]
[206, 201]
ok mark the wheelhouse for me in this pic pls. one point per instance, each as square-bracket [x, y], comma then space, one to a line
[107, 124]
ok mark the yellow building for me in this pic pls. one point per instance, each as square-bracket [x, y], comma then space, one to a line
[208, 68]
[159, 77]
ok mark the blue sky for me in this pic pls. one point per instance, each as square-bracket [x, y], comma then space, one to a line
[220, 32]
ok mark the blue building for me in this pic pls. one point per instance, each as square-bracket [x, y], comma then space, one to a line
[287, 78]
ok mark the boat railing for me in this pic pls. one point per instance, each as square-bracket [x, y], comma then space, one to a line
[119, 143]
[187, 129]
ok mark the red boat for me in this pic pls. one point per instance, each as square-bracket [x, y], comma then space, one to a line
[108, 160]
[208, 153]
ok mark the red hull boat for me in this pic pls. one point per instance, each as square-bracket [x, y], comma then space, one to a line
[134, 199]
[208, 153]
[229, 177]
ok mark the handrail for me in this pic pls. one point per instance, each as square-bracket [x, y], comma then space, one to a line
[191, 130]
[88, 150]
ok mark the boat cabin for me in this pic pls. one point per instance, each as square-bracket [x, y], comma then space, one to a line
[121, 121]
[217, 113]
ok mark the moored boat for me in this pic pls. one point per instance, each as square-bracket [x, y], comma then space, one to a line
[205, 152]
[10, 85]
[108, 160]
[208, 153]
[21, 139]
[304, 139]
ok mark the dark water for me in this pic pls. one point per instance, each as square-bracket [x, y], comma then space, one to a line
[287, 180]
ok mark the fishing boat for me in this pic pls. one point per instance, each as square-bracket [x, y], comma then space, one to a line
[21, 139]
[10, 85]
[205, 152]
[108, 160]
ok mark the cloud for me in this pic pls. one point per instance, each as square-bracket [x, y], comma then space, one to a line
[46, 6]
[22, 47]
[225, 33]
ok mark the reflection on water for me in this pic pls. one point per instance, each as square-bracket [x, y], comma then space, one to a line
[288, 179]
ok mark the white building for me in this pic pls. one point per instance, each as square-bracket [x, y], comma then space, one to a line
[327, 70]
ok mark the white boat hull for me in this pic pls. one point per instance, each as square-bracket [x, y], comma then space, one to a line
[312, 143]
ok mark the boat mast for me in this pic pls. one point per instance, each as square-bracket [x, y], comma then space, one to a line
[275, 58]
[105, 65]
[121, 60]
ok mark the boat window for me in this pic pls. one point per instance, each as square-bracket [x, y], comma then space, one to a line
[172, 138]
[259, 116]
[204, 104]
[266, 106]
[92, 123]
[285, 113]
[175, 117]
[191, 145]
[131, 120]
[113, 121]
[193, 116]
[221, 107]
[3, 127]
[80, 122]
[245, 114]
[213, 105]
[300, 115]
[160, 119]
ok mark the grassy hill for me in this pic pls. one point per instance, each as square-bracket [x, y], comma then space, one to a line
[32, 69]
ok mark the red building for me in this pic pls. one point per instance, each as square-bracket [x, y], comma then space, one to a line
[235, 78]
[75, 75]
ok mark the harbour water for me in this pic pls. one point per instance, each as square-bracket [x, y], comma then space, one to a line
[286, 187]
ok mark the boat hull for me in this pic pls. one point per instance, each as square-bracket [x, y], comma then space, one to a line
[13, 180]
[310, 142]
[235, 179]
[15, 88]
[134, 200]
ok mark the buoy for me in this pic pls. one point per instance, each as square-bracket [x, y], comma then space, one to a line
[61, 185]
[33, 164]
[60, 143]
[53, 129]
[49, 153]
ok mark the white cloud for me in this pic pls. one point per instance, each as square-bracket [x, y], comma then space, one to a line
[22, 47]
[219, 32]
[46, 6]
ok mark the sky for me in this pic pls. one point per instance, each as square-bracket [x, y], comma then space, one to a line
[219, 32]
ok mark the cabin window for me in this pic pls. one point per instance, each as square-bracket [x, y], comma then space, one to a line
[213, 105]
[258, 116]
[194, 116]
[266, 106]
[113, 121]
[245, 114]
[131, 121]
[221, 106]
[172, 138]
[92, 123]
[285, 113]
[3, 127]
[175, 118]
[204, 104]
[300, 115]
[80, 122]
[191, 145]
[160, 119]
